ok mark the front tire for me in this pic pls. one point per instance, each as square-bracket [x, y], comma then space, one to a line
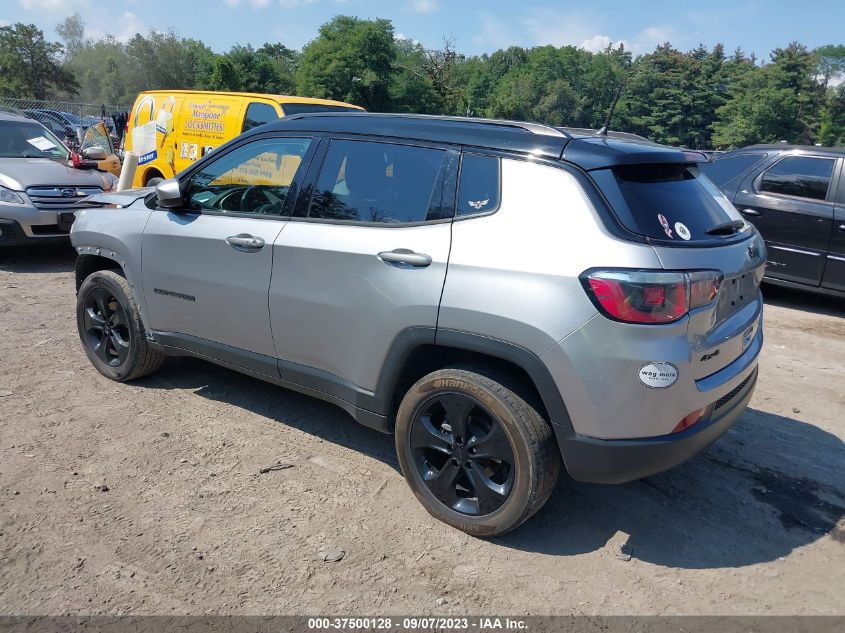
[476, 454]
[111, 329]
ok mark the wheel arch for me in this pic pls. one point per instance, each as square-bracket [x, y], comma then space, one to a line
[150, 173]
[87, 263]
[417, 352]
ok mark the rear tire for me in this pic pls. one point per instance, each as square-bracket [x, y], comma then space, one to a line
[111, 329]
[484, 475]
[152, 182]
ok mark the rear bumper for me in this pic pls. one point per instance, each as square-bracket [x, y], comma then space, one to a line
[619, 461]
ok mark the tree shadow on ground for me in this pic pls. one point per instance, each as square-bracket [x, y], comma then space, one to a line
[770, 485]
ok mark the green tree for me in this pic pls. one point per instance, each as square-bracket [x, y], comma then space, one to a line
[224, 75]
[832, 119]
[774, 103]
[411, 88]
[71, 32]
[351, 60]
[30, 66]
[268, 69]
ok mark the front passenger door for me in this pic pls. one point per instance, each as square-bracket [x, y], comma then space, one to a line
[206, 267]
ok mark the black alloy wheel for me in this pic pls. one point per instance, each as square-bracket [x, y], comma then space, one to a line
[462, 454]
[106, 326]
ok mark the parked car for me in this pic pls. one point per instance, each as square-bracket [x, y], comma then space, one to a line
[795, 196]
[503, 296]
[38, 189]
[65, 125]
[170, 130]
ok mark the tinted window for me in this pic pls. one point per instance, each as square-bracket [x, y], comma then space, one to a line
[801, 176]
[379, 182]
[259, 114]
[665, 201]
[309, 108]
[255, 178]
[478, 191]
[722, 170]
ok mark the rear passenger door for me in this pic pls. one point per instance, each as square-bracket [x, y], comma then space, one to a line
[362, 260]
[789, 204]
[834, 272]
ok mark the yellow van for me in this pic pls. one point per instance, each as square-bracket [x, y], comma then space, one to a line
[171, 129]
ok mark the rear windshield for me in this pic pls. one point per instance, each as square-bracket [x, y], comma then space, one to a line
[310, 108]
[723, 170]
[667, 202]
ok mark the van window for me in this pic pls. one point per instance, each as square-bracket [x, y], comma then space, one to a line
[379, 182]
[802, 176]
[478, 191]
[310, 108]
[254, 178]
[723, 170]
[667, 202]
[259, 114]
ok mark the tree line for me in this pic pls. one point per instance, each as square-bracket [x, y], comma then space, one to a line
[702, 98]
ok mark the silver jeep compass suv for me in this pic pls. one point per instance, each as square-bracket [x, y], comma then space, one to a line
[505, 297]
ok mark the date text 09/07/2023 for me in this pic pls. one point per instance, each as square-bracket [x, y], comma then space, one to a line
[417, 623]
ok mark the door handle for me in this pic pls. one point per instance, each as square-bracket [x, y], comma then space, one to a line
[750, 212]
[405, 258]
[245, 242]
[841, 227]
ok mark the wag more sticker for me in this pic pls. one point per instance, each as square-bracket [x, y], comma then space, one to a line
[658, 375]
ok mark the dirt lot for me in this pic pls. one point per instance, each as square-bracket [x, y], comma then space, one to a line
[146, 498]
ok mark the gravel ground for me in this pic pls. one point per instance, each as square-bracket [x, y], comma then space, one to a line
[146, 498]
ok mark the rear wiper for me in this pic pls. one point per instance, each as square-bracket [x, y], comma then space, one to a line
[726, 228]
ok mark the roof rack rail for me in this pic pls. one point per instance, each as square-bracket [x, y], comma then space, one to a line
[534, 128]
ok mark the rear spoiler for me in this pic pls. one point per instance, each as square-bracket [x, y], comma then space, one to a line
[605, 152]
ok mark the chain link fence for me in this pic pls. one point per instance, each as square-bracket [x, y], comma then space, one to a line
[68, 119]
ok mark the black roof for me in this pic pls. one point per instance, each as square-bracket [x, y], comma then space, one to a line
[787, 147]
[506, 135]
[588, 151]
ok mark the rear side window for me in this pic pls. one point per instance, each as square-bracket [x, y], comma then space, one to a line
[310, 108]
[723, 170]
[259, 114]
[668, 202]
[479, 187]
[802, 176]
[362, 181]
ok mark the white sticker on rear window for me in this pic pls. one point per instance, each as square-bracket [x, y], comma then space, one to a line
[41, 143]
[682, 231]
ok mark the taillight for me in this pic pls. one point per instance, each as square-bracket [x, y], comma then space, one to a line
[689, 420]
[646, 296]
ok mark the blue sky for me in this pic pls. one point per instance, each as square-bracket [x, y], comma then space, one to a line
[476, 27]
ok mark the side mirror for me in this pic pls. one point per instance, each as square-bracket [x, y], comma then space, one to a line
[95, 152]
[168, 194]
